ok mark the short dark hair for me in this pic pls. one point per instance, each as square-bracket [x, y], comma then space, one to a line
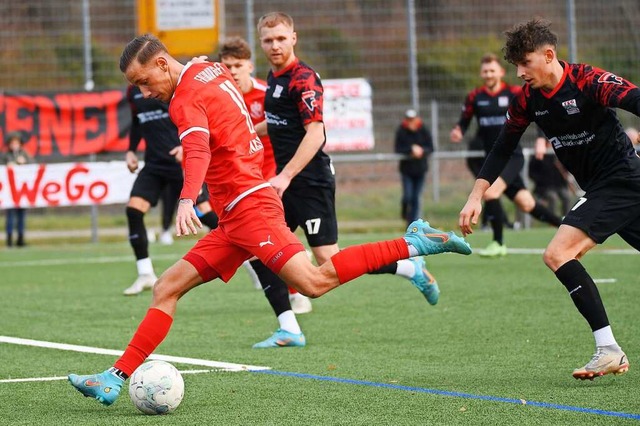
[272, 19]
[142, 48]
[236, 47]
[526, 38]
[487, 58]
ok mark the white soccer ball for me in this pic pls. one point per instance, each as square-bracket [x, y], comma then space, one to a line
[156, 387]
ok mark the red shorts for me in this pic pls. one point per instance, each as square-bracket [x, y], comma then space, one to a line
[254, 227]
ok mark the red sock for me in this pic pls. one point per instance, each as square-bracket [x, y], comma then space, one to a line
[151, 332]
[293, 290]
[355, 261]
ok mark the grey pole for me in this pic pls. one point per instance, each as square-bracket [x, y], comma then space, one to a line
[250, 28]
[435, 164]
[412, 52]
[571, 28]
[88, 86]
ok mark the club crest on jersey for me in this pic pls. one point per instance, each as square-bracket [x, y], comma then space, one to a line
[571, 106]
[256, 110]
[277, 91]
[503, 101]
[608, 77]
[309, 98]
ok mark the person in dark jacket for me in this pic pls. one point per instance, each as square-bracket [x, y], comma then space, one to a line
[414, 141]
[15, 157]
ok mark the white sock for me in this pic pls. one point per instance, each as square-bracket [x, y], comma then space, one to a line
[288, 322]
[406, 268]
[144, 266]
[412, 250]
[604, 337]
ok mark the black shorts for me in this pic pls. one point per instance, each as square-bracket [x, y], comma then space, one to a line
[612, 209]
[314, 210]
[151, 182]
[512, 175]
[203, 195]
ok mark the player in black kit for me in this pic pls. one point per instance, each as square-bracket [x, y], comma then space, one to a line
[572, 104]
[489, 104]
[305, 177]
[161, 172]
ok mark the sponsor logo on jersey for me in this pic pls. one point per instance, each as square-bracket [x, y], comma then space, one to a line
[608, 77]
[277, 91]
[541, 113]
[256, 110]
[494, 120]
[157, 114]
[574, 139]
[571, 106]
[503, 101]
[483, 103]
[309, 99]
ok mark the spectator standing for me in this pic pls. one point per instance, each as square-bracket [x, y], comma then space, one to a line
[16, 156]
[413, 140]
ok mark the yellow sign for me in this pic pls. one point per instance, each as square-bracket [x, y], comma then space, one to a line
[187, 27]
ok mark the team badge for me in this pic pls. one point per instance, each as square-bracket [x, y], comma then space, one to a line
[571, 106]
[277, 91]
[309, 98]
[256, 111]
[503, 101]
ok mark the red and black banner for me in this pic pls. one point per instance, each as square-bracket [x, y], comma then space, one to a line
[58, 125]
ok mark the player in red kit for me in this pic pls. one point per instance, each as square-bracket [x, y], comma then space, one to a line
[221, 148]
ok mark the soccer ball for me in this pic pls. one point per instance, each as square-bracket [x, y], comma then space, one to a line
[156, 387]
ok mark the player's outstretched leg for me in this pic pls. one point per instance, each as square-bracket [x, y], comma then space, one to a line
[607, 359]
[424, 281]
[105, 387]
[428, 240]
[282, 338]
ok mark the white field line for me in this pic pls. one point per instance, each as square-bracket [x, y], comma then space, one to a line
[118, 259]
[168, 358]
[76, 260]
[50, 379]
[541, 250]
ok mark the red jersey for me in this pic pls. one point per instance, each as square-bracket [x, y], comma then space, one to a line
[220, 145]
[255, 102]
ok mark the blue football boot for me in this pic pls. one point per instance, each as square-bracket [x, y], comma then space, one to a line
[428, 240]
[105, 387]
[282, 338]
[424, 281]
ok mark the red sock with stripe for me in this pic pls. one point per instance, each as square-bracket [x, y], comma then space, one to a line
[355, 261]
[151, 332]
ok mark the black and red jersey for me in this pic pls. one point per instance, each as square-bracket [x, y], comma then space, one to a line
[150, 120]
[490, 110]
[294, 98]
[577, 118]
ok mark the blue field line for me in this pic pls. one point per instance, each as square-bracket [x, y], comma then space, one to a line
[454, 394]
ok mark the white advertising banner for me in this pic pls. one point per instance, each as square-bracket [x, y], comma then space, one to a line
[348, 114]
[65, 184]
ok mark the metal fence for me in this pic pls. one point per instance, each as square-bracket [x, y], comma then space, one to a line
[42, 44]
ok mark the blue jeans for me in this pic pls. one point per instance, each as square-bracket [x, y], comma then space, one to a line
[16, 215]
[411, 192]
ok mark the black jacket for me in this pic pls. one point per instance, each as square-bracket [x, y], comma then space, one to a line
[405, 138]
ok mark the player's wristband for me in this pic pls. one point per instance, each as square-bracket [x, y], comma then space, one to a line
[185, 201]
